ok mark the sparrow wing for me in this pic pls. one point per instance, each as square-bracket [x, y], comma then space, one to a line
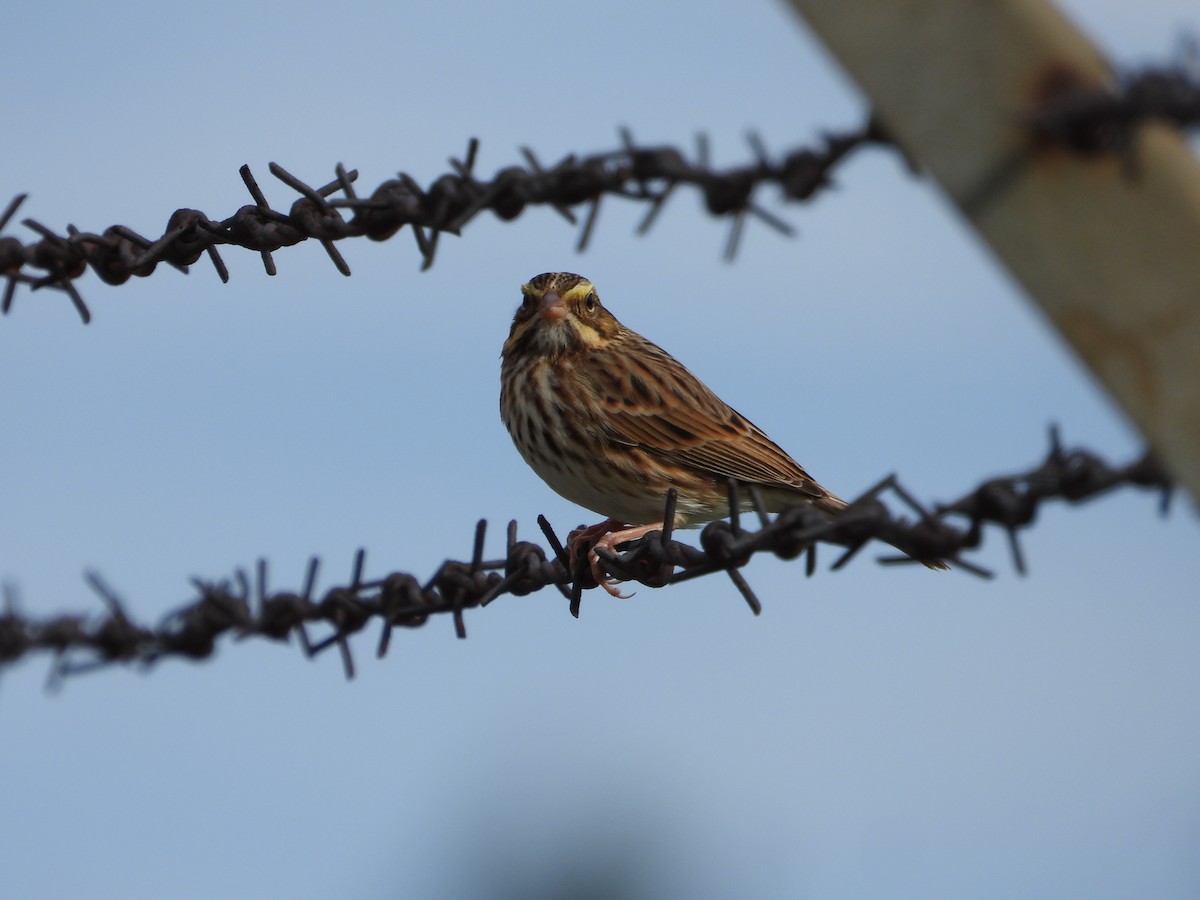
[653, 402]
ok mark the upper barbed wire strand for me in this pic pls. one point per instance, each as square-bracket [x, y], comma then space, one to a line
[638, 173]
[1085, 121]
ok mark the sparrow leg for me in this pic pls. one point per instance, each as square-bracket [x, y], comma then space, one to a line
[609, 542]
[580, 540]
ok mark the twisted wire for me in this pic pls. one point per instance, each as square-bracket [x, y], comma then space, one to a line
[245, 605]
[648, 174]
[1084, 120]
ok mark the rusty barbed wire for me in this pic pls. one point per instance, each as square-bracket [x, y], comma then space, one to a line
[1082, 120]
[648, 174]
[244, 606]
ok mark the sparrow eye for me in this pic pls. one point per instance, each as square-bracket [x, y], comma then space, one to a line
[590, 302]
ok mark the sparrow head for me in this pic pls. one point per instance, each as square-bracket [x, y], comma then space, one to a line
[560, 313]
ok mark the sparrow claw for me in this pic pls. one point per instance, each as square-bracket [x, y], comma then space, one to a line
[601, 535]
[606, 581]
[609, 542]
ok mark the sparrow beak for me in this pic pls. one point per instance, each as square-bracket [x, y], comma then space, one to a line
[552, 306]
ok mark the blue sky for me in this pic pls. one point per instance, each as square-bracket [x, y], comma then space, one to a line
[876, 732]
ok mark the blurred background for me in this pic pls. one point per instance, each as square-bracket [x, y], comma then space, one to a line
[876, 732]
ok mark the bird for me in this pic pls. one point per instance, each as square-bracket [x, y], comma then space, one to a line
[611, 422]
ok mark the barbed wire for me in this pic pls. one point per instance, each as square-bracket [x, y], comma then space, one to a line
[245, 606]
[648, 174]
[1082, 120]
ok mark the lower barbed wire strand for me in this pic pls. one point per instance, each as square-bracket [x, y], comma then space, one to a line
[245, 607]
